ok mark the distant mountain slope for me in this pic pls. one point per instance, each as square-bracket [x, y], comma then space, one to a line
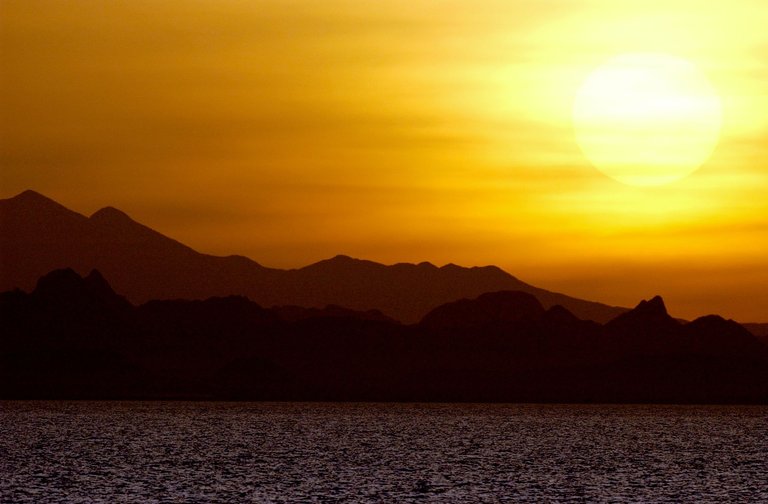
[40, 235]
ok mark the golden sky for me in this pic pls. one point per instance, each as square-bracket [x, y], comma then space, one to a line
[294, 130]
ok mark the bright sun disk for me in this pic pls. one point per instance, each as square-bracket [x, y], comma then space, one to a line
[647, 119]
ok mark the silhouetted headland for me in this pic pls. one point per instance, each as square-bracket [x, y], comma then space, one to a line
[74, 337]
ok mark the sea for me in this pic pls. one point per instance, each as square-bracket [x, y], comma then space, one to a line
[211, 452]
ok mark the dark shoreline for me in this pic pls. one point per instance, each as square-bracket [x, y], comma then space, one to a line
[73, 337]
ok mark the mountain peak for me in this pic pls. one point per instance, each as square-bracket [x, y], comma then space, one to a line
[654, 306]
[342, 258]
[68, 287]
[110, 214]
[647, 314]
[339, 261]
[32, 201]
[30, 195]
[65, 279]
[95, 282]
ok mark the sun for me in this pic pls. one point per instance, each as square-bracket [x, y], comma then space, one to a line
[647, 119]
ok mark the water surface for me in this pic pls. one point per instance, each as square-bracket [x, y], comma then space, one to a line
[328, 452]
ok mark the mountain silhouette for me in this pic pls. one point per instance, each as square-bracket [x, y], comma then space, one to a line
[40, 235]
[648, 325]
[490, 308]
[73, 337]
[758, 329]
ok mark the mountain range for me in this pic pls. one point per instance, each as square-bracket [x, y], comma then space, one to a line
[73, 337]
[40, 235]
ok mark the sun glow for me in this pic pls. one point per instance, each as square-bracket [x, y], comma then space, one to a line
[647, 119]
[402, 131]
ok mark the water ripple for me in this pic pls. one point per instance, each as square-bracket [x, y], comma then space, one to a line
[307, 452]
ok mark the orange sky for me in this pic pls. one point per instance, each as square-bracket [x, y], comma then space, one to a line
[290, 131]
